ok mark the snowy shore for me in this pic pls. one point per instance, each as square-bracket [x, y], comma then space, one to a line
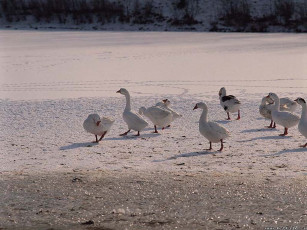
[52, 175]
[48, 136]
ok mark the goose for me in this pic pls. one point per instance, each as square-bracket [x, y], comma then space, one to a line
[230, 103]
[283, 118]
[211, 130]
[133, 119]
[158, 116]
[286, 104]
[165, 104]
[302, 125]
[97, 126]
[265, 109]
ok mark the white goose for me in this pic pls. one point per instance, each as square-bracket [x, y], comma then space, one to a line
[302, 125]
[158, 116]
[286, 104]
[211, 130]
[133, 119]
[283, 118]
[229, 103]
[97, 126]
[265, 109]
[165, 104]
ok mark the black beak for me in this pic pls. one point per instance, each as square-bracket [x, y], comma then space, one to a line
[165, 100]
[196, 107]
[97, 123]
[118, 91]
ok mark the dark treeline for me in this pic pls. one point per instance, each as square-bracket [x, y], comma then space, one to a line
[235, 14]
[80, 11]
[291, 14]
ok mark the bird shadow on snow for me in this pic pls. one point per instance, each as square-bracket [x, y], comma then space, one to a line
[297, 150]
[78, 145]
[257, 130]
[191, 154]
[131, 136]
[266, 138]
[223, 121]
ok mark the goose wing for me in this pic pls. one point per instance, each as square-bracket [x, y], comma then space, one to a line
[161, 104]
[231, 98]
[218, 129]
[158, 112]
[286, 116]
[134, 118]
[174, 113]
[107, 120]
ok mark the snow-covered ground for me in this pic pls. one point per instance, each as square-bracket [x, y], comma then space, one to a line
[51, 81]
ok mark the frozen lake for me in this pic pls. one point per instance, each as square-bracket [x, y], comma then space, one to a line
[65, 64]
[52, 175]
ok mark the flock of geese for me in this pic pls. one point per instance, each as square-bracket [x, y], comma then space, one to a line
[278, 110]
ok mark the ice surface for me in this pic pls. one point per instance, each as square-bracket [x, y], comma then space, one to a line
[55, 65]
[51, 81]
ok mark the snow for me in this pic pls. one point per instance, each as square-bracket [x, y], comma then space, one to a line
[51, 81]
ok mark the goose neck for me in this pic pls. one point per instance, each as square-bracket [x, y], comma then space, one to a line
[276, 104]
[304, 112]
[223, 92]
[204, 116]
[128, 102]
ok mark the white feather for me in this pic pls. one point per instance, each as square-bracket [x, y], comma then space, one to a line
[213, 131]
[133, 119]
[157, 115]
[283, 118]
[90, 124]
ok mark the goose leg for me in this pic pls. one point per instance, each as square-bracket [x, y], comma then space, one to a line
[210, 146]
[156, 131]
[96, 140]
[222, 146]
[102, 136]
[238, 118]
[274, 126]
[124, 134]
[137, 134]
[285, 132]
[228, 116]
[271, 125]
[303, 146]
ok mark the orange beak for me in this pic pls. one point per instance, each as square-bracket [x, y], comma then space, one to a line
[196, 107]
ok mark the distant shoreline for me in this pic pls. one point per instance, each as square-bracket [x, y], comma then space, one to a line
[158, 15]
[135, 28]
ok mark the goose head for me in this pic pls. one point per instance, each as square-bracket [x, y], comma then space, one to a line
[166, 102]
[269, 100]
[222, 92]
[266, 100]
[142, 110]
[201, 105]
[263, 101]
[300, 101]
[273, 96]
[95, 118]
[123, 91]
